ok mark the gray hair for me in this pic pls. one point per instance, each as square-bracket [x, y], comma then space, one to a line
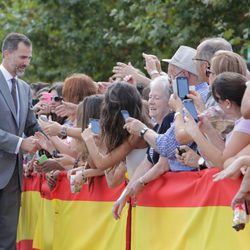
[164, 82]
[12, 40]
[209, 46]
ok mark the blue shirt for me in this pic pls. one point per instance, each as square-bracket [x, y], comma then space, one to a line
[166, 143]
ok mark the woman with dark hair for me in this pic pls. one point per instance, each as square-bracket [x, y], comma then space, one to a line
[228, 89]
[116, 143]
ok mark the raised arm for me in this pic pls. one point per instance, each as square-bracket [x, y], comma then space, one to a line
[104, 161]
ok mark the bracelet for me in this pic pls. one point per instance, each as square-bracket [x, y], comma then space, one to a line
[176, 114]
[55, 154]
[153, 72]
[142, 182]
[63, 131]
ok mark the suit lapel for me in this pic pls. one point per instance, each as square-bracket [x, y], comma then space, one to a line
[7, 96]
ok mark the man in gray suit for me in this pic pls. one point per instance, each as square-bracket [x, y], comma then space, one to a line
[16, 118]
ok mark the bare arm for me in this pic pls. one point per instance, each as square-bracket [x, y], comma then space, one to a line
[157, 170]
[63, 147]
[105, 161]
[116, 175]
[245, 104]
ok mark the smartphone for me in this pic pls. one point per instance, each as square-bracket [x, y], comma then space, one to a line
[42, 159]
[46, 97]
[34, 101]
[189, 105]
[182, 85]
[180, 151]
[125, 114]
[43, 118]
[95, 125]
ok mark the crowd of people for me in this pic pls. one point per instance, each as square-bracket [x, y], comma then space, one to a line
[132, 128]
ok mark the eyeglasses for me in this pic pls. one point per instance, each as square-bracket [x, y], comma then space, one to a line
[209, 72]
[208, 66]
[202, 60]
[56, 98]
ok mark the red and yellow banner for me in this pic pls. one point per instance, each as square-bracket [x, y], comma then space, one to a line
[178, 211]
[187, 210]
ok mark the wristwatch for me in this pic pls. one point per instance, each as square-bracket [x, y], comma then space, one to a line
[202, 163]
[143, 132]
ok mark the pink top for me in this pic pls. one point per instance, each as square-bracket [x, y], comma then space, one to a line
[241, 125]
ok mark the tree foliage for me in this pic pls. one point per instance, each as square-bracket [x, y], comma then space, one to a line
[90, 36]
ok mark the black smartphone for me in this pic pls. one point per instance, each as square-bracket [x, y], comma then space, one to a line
[34, 101]
[180, 151]
[189, 105]
[182, 87]
[125, 114]
[95, 125]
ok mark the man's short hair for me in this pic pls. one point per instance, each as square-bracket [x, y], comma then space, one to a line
[209, 46]
[12, 40]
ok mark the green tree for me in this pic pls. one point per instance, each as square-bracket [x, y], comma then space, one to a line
[90, 36]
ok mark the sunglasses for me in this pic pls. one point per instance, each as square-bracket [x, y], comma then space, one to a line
[56, 98]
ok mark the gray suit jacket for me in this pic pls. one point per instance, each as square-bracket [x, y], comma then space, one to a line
[11, 130]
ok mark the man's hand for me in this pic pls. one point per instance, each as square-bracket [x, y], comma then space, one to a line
[29, 144]
[134, 126]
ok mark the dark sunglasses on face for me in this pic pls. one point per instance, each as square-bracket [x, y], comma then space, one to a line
[57, 98]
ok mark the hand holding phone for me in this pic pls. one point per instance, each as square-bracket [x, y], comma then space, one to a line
[46, 97]
[44, 118]
[125, 114]
[42, 159]
[95, 125]
[180, 151]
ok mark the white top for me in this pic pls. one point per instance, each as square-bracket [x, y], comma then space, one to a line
[133, 160]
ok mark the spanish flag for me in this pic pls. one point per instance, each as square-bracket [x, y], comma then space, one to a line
[84, 220]
[187, 211]
[29, 211]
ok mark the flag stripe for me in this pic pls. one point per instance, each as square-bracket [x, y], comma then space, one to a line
[189, 189]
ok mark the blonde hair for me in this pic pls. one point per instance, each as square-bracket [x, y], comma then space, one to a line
[228, 61]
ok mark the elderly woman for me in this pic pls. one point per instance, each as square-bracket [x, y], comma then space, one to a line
[153, 164]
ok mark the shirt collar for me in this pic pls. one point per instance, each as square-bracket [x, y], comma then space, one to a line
[6, 73]
[200, 85]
